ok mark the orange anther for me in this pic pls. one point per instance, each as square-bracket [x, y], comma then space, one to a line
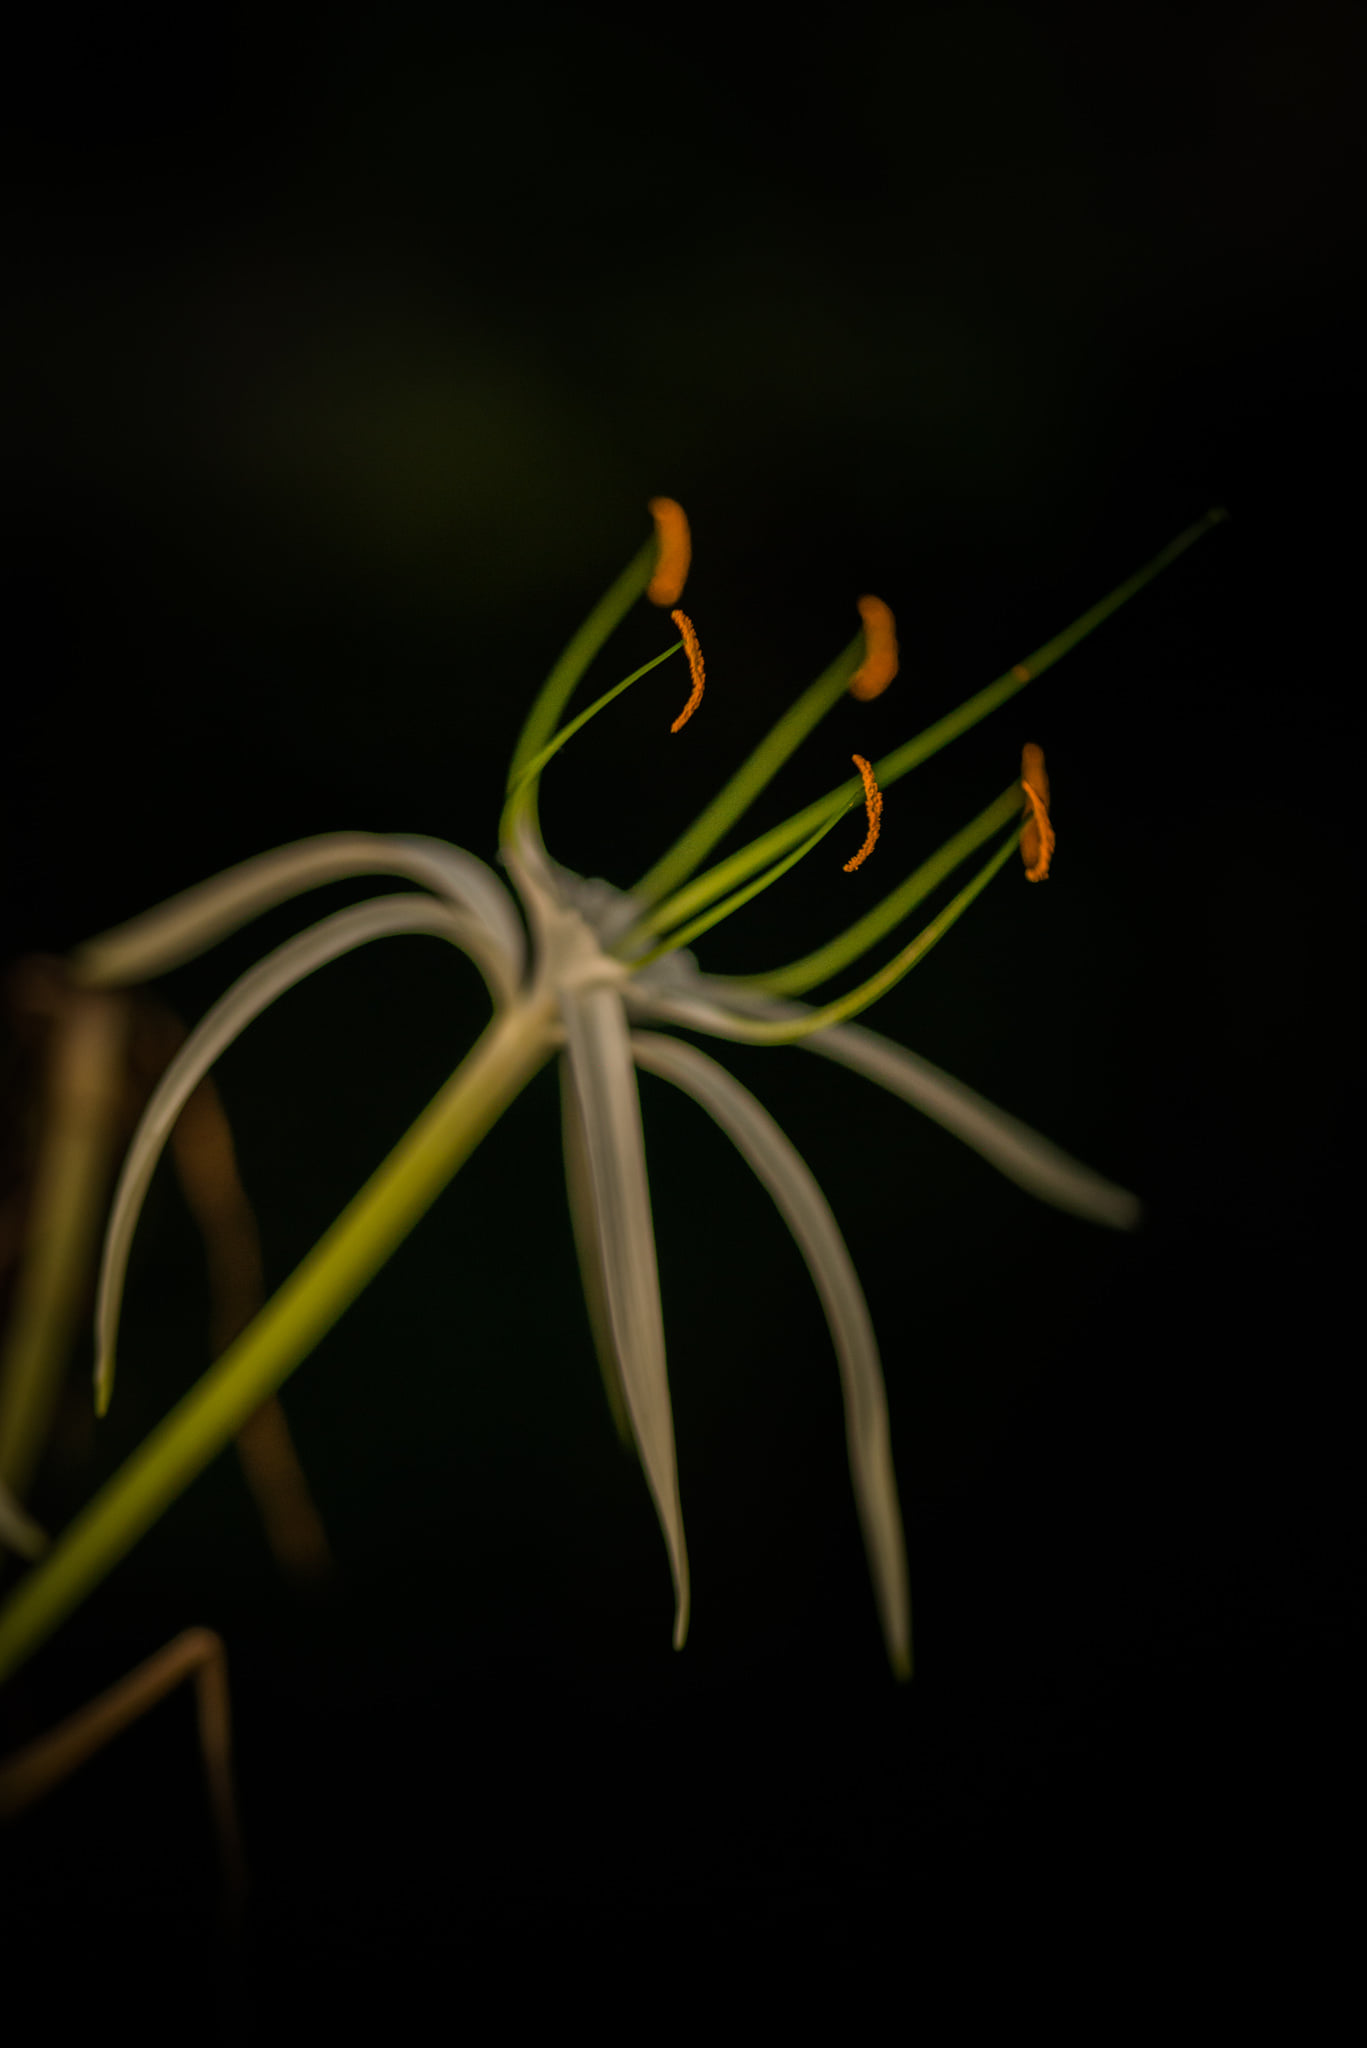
[873, 805]
[694, 653]
[675, 546]
[879, 665]
[1037, 839]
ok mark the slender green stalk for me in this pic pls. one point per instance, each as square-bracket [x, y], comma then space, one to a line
[392, 1201]
[769, 846]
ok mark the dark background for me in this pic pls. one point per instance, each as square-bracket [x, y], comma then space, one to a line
[343, 362]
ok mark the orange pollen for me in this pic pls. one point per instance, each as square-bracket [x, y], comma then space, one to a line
[879, 665]
[1021, 672]
[873, 805]
[675, 552]
[1037, 838]
[694, 653]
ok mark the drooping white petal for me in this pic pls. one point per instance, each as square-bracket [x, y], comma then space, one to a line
[584, 1221]
[382, 917]
[1012, 1147]
[1041, 1168]
[188, 924]
[470, 884]
[599, 1048]
[807, 1213]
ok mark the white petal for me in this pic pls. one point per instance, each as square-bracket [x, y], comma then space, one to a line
[584, 1221]
[1012, 1147]
[1041, 1168]
[599, 1049]
[382, 917]
[188, 924]
[470, 884]
[808, 1215]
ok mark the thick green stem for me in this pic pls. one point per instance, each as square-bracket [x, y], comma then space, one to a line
[368, 1231]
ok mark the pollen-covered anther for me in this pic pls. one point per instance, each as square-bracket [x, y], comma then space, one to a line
[873, 806]
[675, 552]
[1037, 837]
[694, 653]
[879, 665]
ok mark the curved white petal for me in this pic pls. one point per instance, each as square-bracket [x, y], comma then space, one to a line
[470, 884]
[188, 924]
[584, 1222]
[598, 1045]
[383, 917]
[589, 986]
[807, 1213]
[1041, 1168]
[1012, 1147]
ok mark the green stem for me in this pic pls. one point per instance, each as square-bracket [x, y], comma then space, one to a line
[513, 1048]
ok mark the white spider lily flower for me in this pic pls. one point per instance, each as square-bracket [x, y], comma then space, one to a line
[598, 969]
[612, 1214]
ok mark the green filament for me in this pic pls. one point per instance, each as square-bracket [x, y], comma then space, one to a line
[787, 1032]
[853, 943]
[678, 864]
[521, 783]
[560, 684]
[752, 777]
[687, 933]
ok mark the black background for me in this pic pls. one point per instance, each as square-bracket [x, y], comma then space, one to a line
[343, 361]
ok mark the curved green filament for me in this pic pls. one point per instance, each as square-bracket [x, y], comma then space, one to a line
[734, 799]
[687, 933]
[842, 951]
[785, 1032]
[521, 785]
[560, 684]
